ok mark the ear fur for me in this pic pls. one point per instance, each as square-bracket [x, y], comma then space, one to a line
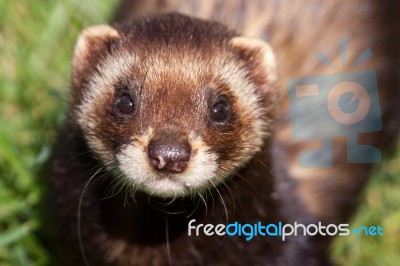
[93, 43]
[258, 55]
[92, 40]
[260, 61]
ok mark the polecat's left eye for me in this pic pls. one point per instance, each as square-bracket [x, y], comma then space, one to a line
[220, 112]
[124, 105]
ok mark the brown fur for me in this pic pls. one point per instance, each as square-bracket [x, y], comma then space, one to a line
[297, 30]
[271, 187]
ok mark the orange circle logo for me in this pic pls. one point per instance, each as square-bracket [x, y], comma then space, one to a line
[359, 93]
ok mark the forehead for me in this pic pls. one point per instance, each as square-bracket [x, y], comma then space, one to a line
[165, 69]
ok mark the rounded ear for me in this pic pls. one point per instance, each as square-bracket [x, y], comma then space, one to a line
[92, 43]
[258, 55]
[259, 60]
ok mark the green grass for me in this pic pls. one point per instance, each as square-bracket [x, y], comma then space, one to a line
[36, 42]
[380, 206]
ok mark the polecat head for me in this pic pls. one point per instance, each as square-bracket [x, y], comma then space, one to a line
[176, 104]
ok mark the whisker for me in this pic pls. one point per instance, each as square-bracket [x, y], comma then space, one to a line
[167, 240]
[195, 208]
[119, 182]
[230, 192]
[266, 166]
[79, 217]
[204, 201]
[222, 200]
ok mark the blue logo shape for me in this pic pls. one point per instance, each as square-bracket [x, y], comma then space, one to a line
[341, 104]
[348, 103]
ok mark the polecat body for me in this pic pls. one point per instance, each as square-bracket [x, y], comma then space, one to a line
[171, 118]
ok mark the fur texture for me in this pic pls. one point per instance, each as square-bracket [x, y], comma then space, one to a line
[175, 68]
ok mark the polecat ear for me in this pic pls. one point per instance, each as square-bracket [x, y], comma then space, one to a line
[259, 58]
[92, 43]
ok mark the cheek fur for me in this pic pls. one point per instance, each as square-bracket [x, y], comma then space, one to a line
[236, 143]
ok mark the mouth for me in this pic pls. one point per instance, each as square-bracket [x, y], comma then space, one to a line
[166, 176]
[167, 186]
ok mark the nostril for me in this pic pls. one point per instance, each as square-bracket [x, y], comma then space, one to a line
[172, 157]
[157, 161]
[178, 166]
[155, 157]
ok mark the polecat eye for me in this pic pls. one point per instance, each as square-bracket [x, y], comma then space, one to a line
[124, 105]
[220, 112]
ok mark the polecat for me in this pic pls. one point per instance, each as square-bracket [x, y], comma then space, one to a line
[171, 119]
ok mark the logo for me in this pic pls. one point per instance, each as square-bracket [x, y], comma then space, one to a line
[341, 104]
[280, 230]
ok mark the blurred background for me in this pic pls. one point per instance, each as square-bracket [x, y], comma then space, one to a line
[36, 43]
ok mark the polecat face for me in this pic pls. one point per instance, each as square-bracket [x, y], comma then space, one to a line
[175, 104]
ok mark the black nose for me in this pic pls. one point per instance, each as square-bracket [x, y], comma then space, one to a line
[168, 154]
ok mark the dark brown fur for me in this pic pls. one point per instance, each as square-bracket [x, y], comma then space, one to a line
[266, 189]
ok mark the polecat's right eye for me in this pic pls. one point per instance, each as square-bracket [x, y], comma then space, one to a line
[220, 112]
[124, 105]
